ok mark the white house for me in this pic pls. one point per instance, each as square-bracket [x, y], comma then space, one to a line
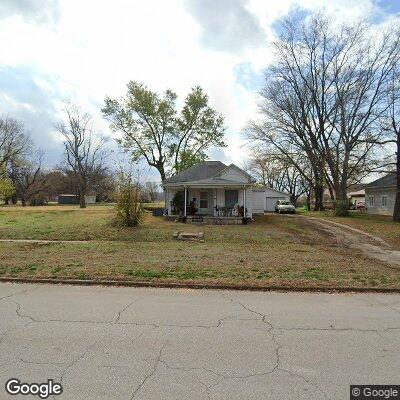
[380, 195]
[213, 190]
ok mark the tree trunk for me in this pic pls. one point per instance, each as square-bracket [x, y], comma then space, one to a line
[341, 202]
[161, 170]
[396, 211]
[82, 193]
[82, 200]
[23, 201]
[308, 201]
[319, 197]
[14, 199]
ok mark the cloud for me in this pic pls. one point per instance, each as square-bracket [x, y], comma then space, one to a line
[226, 25]
[39, 11]
[57, 52]
[28, 96]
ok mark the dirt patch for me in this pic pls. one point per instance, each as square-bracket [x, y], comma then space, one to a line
[370, 245]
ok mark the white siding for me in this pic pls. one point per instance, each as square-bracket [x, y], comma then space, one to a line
[377, 208]
[264, 199]
[220, 198]
[90, 199]
[249, 202]
[169, 195]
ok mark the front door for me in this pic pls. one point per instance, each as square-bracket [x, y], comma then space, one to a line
[231, 198]
[204, 202]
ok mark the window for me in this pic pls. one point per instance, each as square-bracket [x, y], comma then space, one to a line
[371, 201]
[231, 198]
[203, 199]
[384, 200]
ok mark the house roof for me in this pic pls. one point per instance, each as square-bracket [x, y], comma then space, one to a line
[264, 188]
[356, 193]
[213, 181]
[207, 173]
[388, 180]
[199, 172]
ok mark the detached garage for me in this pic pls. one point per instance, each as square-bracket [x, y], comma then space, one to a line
[265, 198]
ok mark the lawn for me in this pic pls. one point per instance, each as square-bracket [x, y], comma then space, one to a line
[378, 225]
[270, 251]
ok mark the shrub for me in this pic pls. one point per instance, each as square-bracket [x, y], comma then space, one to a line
[6, 188]
[129, 208]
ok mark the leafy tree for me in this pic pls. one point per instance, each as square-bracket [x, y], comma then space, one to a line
[6, 188]
[153, 129]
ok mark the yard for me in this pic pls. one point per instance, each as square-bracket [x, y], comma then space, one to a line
[273, 250]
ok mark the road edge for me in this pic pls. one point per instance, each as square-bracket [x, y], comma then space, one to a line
[170, 285]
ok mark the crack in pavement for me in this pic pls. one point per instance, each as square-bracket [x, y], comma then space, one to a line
[271, 331]
[5, 333]
[123, 309]
[148, 376]
[17, 293]
[40, 362]
[116, 320]
[75, 361]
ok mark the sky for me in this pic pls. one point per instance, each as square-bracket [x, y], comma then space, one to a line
[84, 50]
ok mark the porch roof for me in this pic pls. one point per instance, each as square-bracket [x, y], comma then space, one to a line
[216, 183]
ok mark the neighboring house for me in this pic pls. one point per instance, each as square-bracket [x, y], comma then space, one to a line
[380, 195]
[357, 196]
[74, 199]
[212, 189]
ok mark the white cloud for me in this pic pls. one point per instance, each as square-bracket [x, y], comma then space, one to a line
[93, 48]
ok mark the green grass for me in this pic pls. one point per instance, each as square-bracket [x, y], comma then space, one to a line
[271, 251]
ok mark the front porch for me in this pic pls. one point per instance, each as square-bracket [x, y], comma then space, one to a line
[206, 219]
[217, 205]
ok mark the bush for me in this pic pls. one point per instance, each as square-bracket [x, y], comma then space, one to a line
[129, 209]
[6, 188]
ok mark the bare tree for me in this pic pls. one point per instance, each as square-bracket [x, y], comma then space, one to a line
[390, 126]
[324, 96]
[26, 176]
[13, 139]
[84, 154]
[273, 169]
[152, 190]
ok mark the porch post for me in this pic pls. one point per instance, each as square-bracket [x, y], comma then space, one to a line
[166, 201]
[244, 202]
[184, 209]
[216, 202]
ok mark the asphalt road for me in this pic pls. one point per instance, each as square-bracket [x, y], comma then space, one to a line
[126, 343]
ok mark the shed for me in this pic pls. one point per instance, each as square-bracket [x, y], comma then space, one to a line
[68, 199]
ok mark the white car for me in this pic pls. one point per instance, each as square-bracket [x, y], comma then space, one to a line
[284, 206]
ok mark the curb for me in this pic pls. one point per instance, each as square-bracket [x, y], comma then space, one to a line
[276, 288]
